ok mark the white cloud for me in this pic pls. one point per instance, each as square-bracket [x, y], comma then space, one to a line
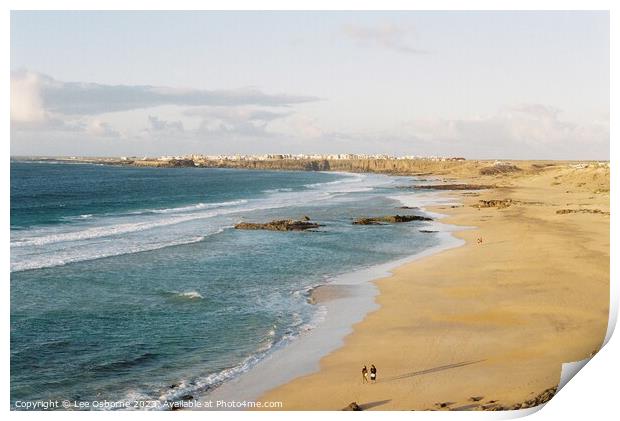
[525, 131]
[521, 131]
[98, 128]
[157, 124]
[300, 126]
[26, 101]
[390, 36]
[238, 121]
[42, 110]
[35, 93]
[42, 105]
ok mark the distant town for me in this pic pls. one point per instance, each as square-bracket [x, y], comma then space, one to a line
[306, 162]
[299, 157]
[378, 163]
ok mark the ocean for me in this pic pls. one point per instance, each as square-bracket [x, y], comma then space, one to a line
[131, 283]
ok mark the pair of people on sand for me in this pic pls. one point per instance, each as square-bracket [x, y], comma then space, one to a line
[373, 374]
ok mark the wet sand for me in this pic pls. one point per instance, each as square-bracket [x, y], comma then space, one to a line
[327, 292]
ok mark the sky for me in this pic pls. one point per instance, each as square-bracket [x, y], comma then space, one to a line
[487, 85]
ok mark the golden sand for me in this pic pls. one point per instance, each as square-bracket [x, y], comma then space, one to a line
[483, 322]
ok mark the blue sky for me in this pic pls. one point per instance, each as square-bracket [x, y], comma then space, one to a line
[476, 84]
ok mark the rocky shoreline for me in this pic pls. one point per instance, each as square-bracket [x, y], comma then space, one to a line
[395, 219]
[494, 203]
[278, 225]
[583, 210]
[479, 405]
[306, 224]
[453, 187]
[393, 166]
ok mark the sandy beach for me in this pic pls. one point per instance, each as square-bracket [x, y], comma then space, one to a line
[486, 325]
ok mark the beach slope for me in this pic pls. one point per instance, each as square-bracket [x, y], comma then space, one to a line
[489, 324]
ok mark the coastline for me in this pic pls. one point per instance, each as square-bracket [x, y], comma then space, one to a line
[532, 223]
[342, 302]
[183, 388]
[484, 326]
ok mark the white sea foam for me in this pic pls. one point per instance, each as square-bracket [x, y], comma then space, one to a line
[212, 381]
[201, 384]
[49, 236]
[208, 382]
[193, 295]
[105, 236]
[420, 200]
[60, 258]
[76, 245]
[331, 322]
[95, 232]
[348, 178]
[78, 217]
[198, 206]
[284, 189]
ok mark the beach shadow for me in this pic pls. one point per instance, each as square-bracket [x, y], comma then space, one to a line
[444, 405]
[369, 405]
[431, 370]
[466, 407]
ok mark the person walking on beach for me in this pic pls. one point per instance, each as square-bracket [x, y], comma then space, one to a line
[373, 373]
[364, 375]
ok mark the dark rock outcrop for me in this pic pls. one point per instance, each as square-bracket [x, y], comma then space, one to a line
[278, 225]
[565, 211]
[494, 203]
[172, 163]
[499, 169]
[177, 163]
[453, 187]
[539, 399]
[316, 165]
[394, 219]
[353, 406]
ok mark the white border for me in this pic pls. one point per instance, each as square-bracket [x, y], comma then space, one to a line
[593, 394]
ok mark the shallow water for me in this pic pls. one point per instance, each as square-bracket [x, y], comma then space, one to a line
[126, 281]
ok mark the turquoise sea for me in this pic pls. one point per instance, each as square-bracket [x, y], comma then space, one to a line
[130, 283]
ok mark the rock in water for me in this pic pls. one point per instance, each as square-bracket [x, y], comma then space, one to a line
[278, 225]
[394, 219]
[181, 163]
